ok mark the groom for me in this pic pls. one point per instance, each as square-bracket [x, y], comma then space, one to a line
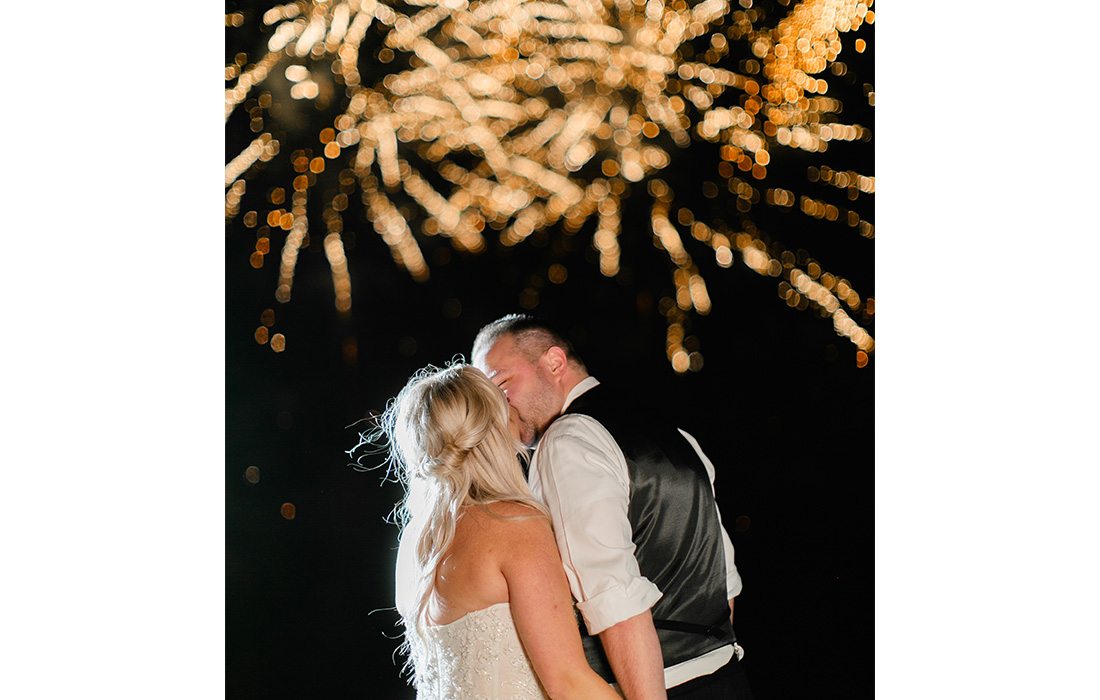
[632, 503]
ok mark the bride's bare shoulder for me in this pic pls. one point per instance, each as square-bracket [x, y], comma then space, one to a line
[513, 509]
[508, 520]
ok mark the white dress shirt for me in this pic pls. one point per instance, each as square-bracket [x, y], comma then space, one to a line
[580, 473]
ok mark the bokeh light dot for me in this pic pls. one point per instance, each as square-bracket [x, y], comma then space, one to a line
[557, 273]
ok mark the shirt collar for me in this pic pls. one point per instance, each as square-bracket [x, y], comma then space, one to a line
[581, 387]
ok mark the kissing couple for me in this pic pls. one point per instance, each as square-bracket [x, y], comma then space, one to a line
[604, 571]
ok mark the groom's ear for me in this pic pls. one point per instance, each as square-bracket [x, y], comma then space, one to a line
[555, 360]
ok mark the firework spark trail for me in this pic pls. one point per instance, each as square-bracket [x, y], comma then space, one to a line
[393, 229]
[263, 147]
[540, 113]
[289, 258]
[338, 262]
[248, 80]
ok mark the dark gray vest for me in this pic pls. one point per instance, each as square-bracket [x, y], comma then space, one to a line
[675, 531]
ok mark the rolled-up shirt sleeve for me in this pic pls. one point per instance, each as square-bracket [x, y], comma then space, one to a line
[581, 475]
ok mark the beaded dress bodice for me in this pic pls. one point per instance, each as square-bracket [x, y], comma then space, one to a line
[476, 657]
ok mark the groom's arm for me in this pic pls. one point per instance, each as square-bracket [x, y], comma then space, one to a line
[634, 652]
[582, 477]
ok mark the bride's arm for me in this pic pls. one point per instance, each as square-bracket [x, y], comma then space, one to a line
[543, 612]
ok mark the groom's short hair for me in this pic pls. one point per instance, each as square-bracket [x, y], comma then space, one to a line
[532, 336]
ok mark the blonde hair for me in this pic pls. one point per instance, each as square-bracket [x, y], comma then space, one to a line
[450, 446]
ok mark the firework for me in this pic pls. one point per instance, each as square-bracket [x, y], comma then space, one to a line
[530, 116]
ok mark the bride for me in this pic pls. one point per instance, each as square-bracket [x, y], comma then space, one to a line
[480, 585]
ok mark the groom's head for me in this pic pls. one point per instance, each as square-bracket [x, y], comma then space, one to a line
[534, 366]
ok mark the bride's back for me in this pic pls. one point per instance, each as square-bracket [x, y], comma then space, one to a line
[470, 575]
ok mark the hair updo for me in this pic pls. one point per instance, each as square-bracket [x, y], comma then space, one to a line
[445, 417]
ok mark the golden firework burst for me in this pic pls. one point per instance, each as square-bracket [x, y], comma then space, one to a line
[508, 117]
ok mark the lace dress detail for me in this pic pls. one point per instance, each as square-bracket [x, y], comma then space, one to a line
[476, 657]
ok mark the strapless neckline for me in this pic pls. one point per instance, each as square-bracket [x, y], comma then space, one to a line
[478, 656]
[472, 613]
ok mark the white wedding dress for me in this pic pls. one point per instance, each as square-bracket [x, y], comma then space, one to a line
[476, 657]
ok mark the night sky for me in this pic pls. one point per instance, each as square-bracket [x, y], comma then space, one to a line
[780, 406]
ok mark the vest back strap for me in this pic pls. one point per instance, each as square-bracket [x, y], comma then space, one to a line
[716, 630]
